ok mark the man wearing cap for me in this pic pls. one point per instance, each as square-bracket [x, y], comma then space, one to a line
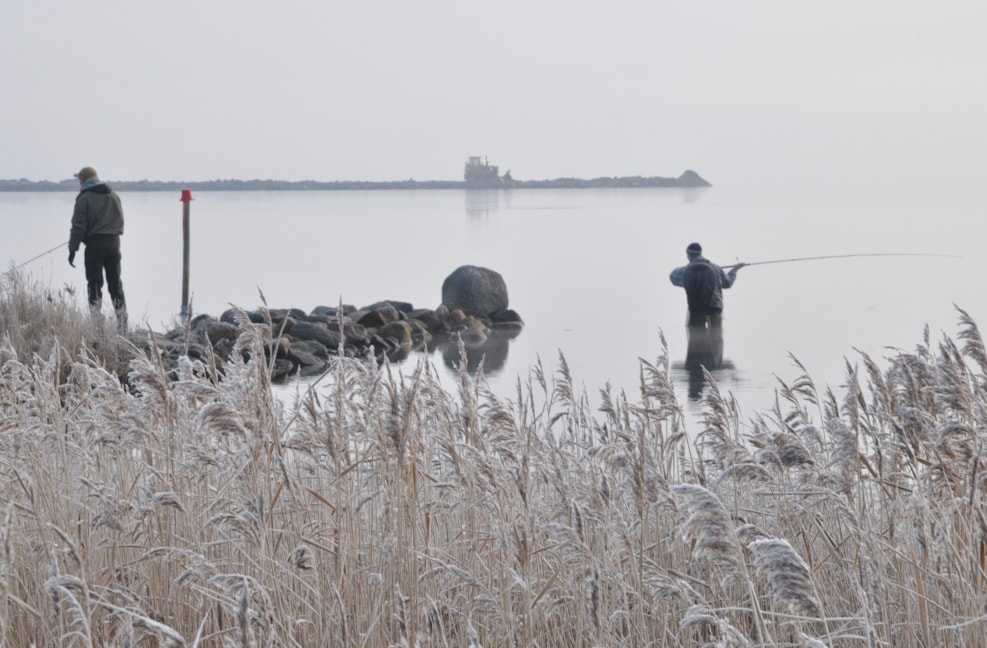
[704, 282]
[98, 222]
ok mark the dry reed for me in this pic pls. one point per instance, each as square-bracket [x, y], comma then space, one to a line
[381, 508]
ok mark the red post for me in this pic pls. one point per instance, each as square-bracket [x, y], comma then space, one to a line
[186, 199]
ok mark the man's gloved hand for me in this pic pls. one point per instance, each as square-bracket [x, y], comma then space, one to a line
[72, 259]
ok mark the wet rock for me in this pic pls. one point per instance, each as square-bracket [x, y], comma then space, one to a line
[282, 370]
[476, 290]
[308, 353]
[333, 311]
[456, 319]
[377, 316]
[200, 320]
[224, 348]
[233, 316]
[320, 318]
[279, 348]
[213, 331]
[431, 319]
[257, 317]
[315, 331]
[399, 332]
[419, 332]
[283, 324]
[355, 334]
[473, 314]
[507, 321]
[506, 315]
[198, 351]
[312, 347]
[400, 306]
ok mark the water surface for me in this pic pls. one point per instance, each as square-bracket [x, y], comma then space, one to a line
[586, 269]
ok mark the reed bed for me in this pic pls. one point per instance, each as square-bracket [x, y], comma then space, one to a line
[381, 508]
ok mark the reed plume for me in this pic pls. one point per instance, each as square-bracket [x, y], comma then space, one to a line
[707, 527]
[785, 575]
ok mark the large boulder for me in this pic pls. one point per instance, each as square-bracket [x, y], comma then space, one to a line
[476, 290]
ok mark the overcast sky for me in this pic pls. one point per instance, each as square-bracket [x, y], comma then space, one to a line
[750, 92]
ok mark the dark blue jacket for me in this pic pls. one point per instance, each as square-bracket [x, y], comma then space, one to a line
[704, 282]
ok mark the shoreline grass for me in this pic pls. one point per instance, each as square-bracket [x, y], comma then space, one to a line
[382, 510]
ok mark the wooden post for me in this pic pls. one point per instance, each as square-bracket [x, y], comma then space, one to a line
[186, 199]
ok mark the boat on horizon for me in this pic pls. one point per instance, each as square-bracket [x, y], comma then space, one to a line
[480, 174]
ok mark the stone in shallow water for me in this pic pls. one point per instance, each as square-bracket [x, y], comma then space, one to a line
[475, 290]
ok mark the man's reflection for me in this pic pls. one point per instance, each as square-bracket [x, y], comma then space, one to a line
[705, 350]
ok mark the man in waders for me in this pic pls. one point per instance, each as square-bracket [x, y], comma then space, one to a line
[704, 282]
[97, 221]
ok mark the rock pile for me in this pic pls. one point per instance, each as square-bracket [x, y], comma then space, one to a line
[474, 309]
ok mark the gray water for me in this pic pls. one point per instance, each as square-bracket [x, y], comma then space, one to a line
[586, 269]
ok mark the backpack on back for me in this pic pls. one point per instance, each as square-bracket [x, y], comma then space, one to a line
[702, 288]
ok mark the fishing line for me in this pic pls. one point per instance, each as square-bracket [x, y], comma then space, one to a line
[845, 256]
[35, 258]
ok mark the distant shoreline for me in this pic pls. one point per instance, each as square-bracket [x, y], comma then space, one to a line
[688, 179]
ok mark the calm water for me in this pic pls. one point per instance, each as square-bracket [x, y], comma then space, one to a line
[586, 269]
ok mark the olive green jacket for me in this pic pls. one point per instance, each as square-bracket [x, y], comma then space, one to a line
[98, 210]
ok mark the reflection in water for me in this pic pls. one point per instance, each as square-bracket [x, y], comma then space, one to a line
[692, 194]
[490, 354]
[705, 351]
[487, 352]
[480, 203]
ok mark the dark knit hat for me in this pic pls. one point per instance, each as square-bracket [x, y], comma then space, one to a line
[694, 249]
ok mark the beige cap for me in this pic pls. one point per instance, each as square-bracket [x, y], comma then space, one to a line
[86, 172]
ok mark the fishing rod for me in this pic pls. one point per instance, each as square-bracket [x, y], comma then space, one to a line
[35, 258]
[843, 256]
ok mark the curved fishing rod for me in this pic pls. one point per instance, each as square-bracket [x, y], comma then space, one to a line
[35, 258]
[843, 256]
